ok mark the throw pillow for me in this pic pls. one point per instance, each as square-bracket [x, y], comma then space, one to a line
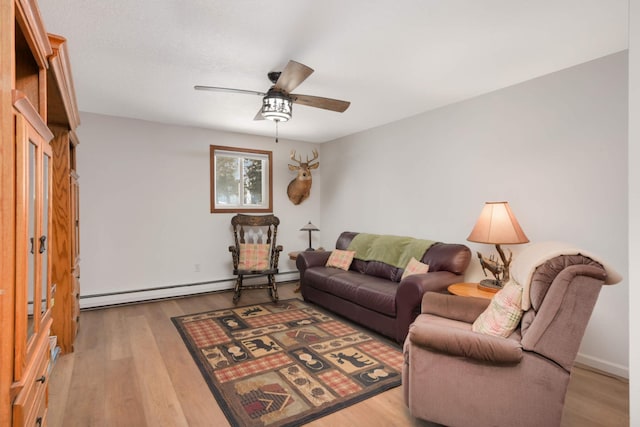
[503, 314]
[415, 267]
[340, 259]
[253, 256]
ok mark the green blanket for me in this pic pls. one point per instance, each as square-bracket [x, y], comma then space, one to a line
[392, 250]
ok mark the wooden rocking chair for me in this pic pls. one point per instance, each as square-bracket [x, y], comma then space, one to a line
[255, 252]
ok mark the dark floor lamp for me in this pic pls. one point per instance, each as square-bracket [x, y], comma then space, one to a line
[309, 227]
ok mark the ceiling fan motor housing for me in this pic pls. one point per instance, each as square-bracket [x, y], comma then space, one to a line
[274, 76]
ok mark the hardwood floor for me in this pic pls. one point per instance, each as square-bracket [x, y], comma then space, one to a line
[131, 368]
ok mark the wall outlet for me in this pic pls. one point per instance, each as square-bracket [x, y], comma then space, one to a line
[196, 268]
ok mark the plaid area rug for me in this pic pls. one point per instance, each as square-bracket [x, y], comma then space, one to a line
[286, 363]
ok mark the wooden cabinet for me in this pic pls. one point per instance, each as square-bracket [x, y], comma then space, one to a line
[66, 233]
[63, 118]
[33, 264]
[36, 96]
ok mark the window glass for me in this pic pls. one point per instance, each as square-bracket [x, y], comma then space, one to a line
[240, 180]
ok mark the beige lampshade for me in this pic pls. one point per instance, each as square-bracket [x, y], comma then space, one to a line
[497, 225]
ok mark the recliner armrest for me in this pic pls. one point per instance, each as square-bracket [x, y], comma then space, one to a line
[465, 343]
[464, 309]
[410, 292]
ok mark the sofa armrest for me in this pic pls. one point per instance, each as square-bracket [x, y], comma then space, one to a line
[464, 309]
[409, 296]
[308, 259]
[465, 343]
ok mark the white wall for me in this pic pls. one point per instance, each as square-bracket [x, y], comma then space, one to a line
[145, 212]
[554, 147]
[634, 210]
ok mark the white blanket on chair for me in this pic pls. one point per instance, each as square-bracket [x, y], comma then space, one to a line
[537, 254]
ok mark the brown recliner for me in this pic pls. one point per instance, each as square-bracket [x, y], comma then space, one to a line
[457, 377]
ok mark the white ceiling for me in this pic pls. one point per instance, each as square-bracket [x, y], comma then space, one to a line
[391, 59]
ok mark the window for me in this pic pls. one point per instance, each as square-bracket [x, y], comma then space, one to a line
[240, 180]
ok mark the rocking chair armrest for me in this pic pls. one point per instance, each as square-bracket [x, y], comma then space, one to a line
[278, 248]
[232, 249]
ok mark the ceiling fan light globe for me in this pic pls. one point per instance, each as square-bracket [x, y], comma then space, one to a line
[277, 107]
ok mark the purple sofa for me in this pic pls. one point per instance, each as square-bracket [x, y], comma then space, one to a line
[371, 293]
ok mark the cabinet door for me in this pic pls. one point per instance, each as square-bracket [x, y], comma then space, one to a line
[33, 222]
[44, 239]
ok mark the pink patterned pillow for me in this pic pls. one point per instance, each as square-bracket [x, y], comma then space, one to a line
[340, 259]
[503, 314]
[415, 267]
[253, 256]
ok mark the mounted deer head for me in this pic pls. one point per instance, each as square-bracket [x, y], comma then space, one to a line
[299, 188]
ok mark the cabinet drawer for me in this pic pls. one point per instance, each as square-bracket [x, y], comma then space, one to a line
[39, 416]
[31, 402]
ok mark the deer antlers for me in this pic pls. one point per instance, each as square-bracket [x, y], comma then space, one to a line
[299, 159]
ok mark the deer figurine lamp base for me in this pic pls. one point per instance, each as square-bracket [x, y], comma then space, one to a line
[499, 269]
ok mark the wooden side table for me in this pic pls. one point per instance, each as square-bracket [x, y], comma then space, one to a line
[293, 256]
[470, 290]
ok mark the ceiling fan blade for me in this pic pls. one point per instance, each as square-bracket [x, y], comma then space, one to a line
[292, 75]
[259, 115]
[226, 89]
[319, 102]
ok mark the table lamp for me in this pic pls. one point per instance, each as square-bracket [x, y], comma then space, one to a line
[309, 227]
[497, 225]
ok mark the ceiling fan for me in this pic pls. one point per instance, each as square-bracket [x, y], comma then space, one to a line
[277, 101]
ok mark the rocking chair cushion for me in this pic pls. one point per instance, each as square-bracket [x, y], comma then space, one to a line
[253, 256]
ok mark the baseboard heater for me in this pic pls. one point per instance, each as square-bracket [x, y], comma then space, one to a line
[131, 296]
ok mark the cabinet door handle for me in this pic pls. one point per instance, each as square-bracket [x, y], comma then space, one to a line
[43, 246]
[39, 421]
[31, 240]
[42, 379]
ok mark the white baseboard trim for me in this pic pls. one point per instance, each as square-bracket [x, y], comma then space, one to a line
[603, 365]
[171, 291]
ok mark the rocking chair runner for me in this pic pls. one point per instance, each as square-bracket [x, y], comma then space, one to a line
[255, 252]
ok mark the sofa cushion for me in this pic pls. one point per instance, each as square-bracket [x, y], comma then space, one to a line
[374, 293]
[379, 295]
[340, 259]
[382, 270]
[358, 265]
[415, 267]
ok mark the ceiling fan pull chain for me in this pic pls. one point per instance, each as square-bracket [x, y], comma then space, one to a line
[277, 130]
